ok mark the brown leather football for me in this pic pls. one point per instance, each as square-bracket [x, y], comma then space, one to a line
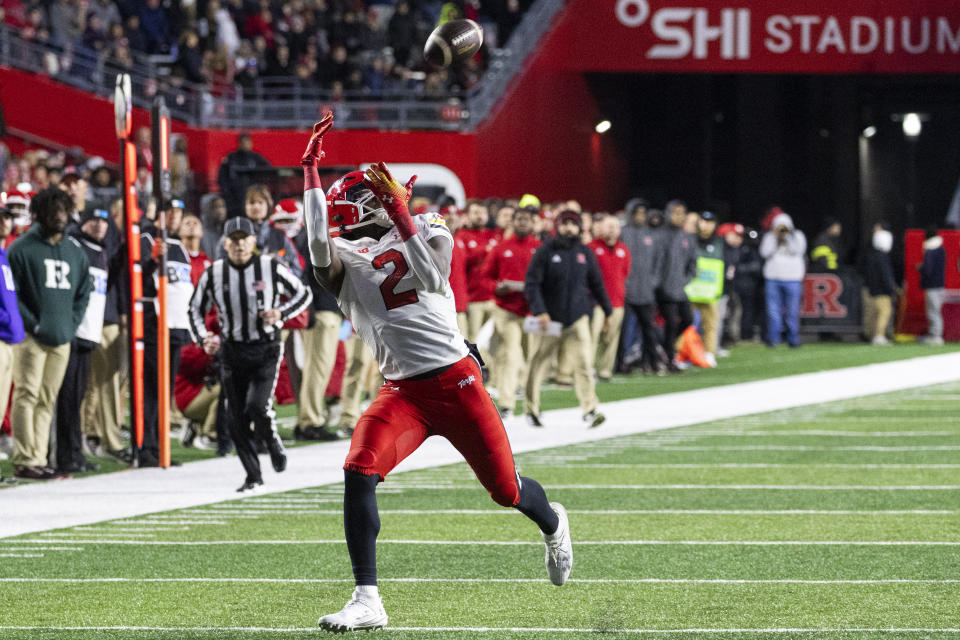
[453, 42]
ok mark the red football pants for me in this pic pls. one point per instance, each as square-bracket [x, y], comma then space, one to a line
[454, 405]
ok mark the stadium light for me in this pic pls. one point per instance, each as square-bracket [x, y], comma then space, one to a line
[870, 131]
[603, 126]
[912, 125]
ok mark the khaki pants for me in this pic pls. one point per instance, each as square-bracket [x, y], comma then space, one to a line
[463, 324]
[37, 375]
[477, 314]
[101, 409]
[576, 339]
[6, 375]
[512, 354]
[709, 324]
[358, 360]
[203, 410]
[883, 307]
[320, 347]
[606, 342]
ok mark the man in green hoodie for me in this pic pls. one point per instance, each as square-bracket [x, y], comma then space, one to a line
[53, 285]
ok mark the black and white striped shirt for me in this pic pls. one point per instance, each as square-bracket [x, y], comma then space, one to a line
[241, 292]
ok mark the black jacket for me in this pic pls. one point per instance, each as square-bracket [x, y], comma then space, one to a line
[564, 281]
[878, 274]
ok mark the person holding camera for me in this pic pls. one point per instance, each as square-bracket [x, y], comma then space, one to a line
[783, 249]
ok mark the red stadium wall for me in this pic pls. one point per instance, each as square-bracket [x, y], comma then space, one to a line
[45, 108]
[542, 140]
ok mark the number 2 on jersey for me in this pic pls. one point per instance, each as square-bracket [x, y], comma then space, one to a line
[391, 298]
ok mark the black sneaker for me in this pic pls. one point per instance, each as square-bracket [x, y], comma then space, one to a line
[320, 434]
[344, 432]
[533, 419]
[123, 455]
[505, 412]
[594, 418]
[278, 457]
[250, 486]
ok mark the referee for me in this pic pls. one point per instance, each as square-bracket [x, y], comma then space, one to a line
[246, 288]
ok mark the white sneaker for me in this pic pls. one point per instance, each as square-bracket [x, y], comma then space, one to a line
[880, 340]
[559, 557]
[361, 613]
[711, 359]
[204, 443]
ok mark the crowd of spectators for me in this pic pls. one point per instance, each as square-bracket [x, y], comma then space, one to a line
[548, 291]
[228, 47]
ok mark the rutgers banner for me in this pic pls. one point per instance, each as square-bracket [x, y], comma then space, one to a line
[760, 36]
[831, 302]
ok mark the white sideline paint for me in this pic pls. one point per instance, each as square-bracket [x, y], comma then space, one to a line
[40, 507]
[884, 630]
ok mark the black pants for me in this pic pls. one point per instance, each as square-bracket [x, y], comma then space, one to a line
[249, 378]
[69, 437]
[676, 318]
[648, 332]
[151, 404]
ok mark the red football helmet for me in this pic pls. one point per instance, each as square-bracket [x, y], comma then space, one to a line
[351, 205]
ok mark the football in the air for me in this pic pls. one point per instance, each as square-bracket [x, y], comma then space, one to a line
[453, 42]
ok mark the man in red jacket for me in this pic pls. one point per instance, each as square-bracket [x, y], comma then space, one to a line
[478, 240]
[458, 269]
[614, 260]
[506, 265]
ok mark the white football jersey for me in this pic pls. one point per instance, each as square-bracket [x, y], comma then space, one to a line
[409, 329]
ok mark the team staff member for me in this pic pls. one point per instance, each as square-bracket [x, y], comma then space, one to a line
[179, 290]
[51, 272]
[320, 342]
[613, 258]
[506, 265]
[479, 240]
[705, 290]
[676, 266]
[246, 289]
[90, 234]
[11, 324]
[562, 276]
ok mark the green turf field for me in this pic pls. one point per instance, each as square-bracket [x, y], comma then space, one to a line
[833, 521]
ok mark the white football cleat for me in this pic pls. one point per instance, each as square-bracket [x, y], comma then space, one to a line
[361, 613]
[559, 557]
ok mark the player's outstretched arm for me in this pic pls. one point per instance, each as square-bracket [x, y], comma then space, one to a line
[327, 266]
[429, 259]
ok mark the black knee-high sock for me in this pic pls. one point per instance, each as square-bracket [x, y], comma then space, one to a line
[361, 523]
[533, 504]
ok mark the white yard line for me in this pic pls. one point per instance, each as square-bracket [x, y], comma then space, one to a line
[485, 581]
[524, 543]
[741, 465]
[736, 512]
[781, 630]
[746, 487]
[39, 507]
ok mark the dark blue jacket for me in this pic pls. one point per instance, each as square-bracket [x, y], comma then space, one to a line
[11, 324]
[934, 267]
[564, 281]
[878, 274]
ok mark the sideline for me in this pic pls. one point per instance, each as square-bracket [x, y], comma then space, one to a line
[58, 504]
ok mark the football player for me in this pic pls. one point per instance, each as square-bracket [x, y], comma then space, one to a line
[389, 271]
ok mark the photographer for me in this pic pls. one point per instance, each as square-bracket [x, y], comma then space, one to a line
[783, 249]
